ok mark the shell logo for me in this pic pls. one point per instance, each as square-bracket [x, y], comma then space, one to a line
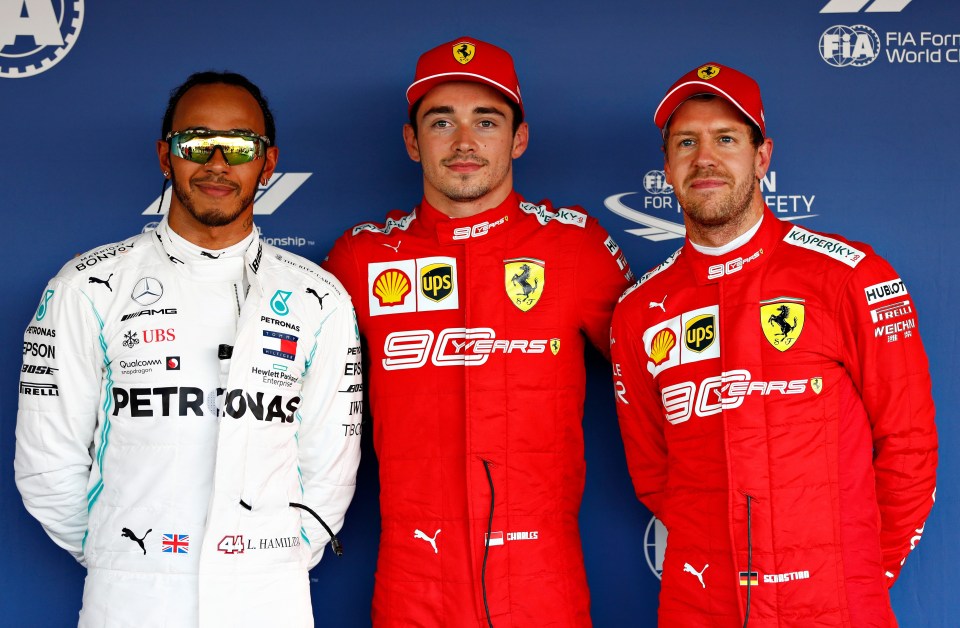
[661, 345]
[391, 286]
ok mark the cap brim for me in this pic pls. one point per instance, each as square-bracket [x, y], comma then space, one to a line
[418, 88]
[679, 95]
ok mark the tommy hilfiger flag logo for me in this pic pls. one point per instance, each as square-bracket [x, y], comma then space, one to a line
[751, 578]
[175, 543]
[280, 345]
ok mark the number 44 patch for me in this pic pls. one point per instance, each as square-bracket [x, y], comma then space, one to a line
[231, 544]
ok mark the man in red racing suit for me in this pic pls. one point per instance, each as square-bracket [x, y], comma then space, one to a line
[773, 395]
[474, 311]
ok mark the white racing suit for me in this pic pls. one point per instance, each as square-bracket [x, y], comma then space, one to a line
[180, 410]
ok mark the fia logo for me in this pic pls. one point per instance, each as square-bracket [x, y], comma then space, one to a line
[655, 545]
[843, 46]
[35, 35]
[266, 201]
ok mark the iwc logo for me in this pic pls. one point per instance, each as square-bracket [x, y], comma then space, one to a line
[463, 52]
[36, 34]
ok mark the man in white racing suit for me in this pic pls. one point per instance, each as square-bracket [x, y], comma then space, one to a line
[188, 396]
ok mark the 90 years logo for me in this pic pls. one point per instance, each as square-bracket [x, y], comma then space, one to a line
[36, 34]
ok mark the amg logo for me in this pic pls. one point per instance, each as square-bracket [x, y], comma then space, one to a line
[168, 310]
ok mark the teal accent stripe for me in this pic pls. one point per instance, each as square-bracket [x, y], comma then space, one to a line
[105, 429]
[303, 535]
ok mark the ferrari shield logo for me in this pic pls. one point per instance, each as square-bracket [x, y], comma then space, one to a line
[524, 279]
[707, 72]
[555, 345]
[782, 321]
[463, 52]
[816, 383]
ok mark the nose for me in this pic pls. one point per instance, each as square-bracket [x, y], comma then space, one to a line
[464, 140]
[705, 154]
[217, 161]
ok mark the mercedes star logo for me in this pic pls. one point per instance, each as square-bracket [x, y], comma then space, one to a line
[147, 291]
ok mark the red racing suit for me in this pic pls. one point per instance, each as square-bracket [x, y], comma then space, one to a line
[777, 416]
[475, 328]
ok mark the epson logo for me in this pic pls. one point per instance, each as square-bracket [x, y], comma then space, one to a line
[169, 310]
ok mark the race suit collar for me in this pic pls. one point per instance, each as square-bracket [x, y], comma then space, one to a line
[457, 230]
[204, 265]
[745, 258]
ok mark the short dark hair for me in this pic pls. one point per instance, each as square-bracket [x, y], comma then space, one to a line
[216, 78]
[756, 136]
[514, 107]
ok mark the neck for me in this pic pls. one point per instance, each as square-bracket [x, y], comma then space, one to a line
[205, 236]
[464, 209]
[719, 235]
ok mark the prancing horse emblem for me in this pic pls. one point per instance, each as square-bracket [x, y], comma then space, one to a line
[782, 321]
[524, 280]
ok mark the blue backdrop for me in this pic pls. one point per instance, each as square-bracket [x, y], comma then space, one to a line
[861, 99]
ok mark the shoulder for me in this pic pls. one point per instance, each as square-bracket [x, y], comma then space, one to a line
[287, 266]
[108, 257]
[547, 214]
[652, 278]
[396, 220]
[828, 248]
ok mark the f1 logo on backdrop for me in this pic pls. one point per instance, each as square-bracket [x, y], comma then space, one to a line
[268, 198]
[35, 35]
[855, 6]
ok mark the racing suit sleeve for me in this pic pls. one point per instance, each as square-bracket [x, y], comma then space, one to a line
[329, 432]
[342, 263]
[638, 410]
[60, 383]
[886, 361]
[602, 275]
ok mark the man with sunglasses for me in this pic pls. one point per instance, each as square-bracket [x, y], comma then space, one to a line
[476, 307]
[184, 392]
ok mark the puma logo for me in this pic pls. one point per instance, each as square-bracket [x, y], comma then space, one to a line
[105, 282]
[688, 568]
[319, 298]
[417, 534]
[128, 533]
[396, 249]
[654, 304]
[210, 255]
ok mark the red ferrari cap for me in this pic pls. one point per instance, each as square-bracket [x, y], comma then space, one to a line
[465, 59]
[713, 78]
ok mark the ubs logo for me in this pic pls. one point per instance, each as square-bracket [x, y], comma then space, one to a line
[35, 35]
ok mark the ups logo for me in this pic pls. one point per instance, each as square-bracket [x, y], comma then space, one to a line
[436, 281]
[700, 332]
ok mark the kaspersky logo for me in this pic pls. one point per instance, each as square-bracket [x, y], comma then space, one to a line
[267, 199]
[35, 35]
[866, 6]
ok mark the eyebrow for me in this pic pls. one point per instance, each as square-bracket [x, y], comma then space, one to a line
[721, 131]
[446, 109]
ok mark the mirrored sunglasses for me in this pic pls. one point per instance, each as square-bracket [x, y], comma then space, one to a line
[198, 145]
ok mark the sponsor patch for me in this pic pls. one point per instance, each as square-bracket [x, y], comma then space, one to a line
[175, 544]
[425, 284]
[840, 251]
[560, 214]
[279, 345]
[886, 290]
[661, 342]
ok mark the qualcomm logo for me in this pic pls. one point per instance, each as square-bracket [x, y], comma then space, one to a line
[842, 46]
[660, 197]
[36, 34]
[655, 546]
[268, 198]
[855, 6]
